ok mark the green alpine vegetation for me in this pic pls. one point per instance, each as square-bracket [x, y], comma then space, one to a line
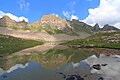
[9, 44]
[102, 40]
[78, 28]
[49, 30]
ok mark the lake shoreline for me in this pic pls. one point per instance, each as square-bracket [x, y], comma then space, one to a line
[96, 49]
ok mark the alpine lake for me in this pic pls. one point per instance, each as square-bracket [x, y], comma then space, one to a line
[49, 61]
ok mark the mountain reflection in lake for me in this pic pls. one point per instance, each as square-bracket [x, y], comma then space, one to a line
[57, 62]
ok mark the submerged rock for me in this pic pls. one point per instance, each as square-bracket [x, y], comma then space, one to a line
[97, 66]
[71, 77]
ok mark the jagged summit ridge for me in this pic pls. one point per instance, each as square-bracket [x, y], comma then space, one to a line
[54, 21]
[108, 27]
[96, 27]
[7, 21]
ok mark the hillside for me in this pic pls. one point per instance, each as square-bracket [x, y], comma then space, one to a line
[101, 40]
[39, 35]
[9, 44]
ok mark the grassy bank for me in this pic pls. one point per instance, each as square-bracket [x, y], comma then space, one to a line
[9, 44]
[102, 40]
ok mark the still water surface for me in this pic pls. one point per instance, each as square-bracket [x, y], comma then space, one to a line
[46, 62]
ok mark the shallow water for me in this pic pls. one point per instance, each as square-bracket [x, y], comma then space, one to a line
[55, 63]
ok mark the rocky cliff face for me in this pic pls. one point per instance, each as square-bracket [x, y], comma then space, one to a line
[80, 24]
[54, 21]
[22, 24]
[96, 27]
[6, 21]
[108, 27]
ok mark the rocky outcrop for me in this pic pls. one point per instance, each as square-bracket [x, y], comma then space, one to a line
[96, 27]
[22, 24]
[54, 22]
[83, 25]
[107, 27]
[6, 21]
[75, 21]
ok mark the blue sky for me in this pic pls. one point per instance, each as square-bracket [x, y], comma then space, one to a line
[35, 9]
[89, 11]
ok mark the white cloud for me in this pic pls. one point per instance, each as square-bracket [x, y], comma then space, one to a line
[17, 66]
[74, 17]
[69, 15]
[1, 14]
[108, 12]
[55, 14]
[13, 17]
[66, 14]
[24, 5]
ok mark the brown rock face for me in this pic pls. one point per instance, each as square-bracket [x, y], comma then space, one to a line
[22, 24]
[55, 22]
[35, 24]
[7, 21]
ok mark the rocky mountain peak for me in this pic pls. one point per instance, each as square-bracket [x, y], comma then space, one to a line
[7, 21]
[108, 27]
[96, 27]
[23, 21]
[75, 21]
[6, 18]
[54, 21]
[50, 17]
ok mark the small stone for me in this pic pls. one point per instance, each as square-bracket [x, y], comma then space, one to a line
[97, 66]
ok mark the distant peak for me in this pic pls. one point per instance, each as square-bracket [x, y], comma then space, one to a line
[109, 27]
[75, 20]
[6, 17]
[55, 21]
[23, 20]
[96, 25]
[50, 16]
[106, 25]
